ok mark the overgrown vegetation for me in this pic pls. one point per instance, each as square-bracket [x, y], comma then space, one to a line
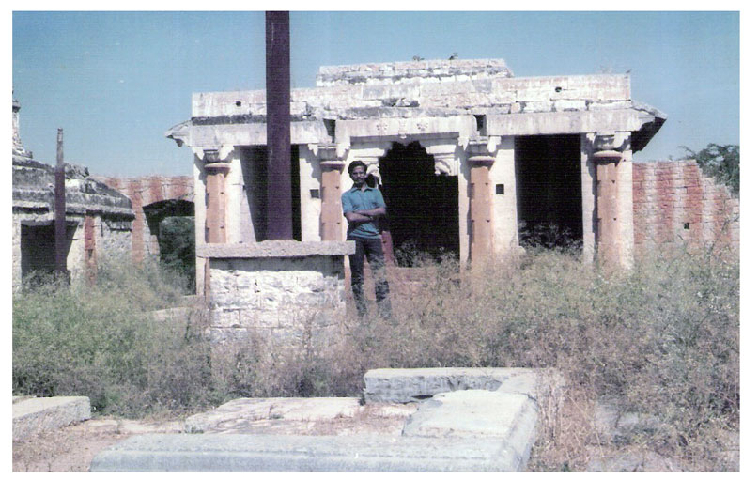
[103, 342]
[721, 162]
[663, 338]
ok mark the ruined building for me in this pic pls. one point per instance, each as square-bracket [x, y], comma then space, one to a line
[489, 153]
[470, 159]
[98, 218]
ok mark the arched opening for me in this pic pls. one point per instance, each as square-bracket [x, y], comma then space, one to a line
[172, 223]
[423, 212]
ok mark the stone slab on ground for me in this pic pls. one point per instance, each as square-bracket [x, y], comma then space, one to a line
[276, 453]
[242, 410]
[508, 419]
[403, 385]
[34, 415]
[301, 415]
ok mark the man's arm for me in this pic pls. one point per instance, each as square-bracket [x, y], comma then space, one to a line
[357, 217]
[373, 212]
[380, 209]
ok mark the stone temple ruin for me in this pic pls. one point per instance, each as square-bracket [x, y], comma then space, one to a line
[469, 158]
[494, 151]
[98, 218]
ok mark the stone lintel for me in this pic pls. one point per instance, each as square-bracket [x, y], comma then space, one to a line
[622, 120]
[276, 248]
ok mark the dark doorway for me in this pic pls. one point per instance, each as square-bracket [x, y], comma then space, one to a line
[423, 211]
[173, 222]
[548, 182]
[38, 248]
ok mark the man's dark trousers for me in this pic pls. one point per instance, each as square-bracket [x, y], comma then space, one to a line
[372, 250]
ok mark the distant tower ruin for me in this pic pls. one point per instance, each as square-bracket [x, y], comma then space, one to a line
[18, 150]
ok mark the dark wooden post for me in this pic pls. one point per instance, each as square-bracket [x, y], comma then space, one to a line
[61, 254]
[279, 208]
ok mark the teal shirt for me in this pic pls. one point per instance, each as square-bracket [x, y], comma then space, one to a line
[367, 199]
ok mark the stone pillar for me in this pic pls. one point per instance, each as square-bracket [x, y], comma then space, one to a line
[589, 195]
[480, 206]
[608, 250]
[90, 248]
[614, 199]
[331, 194]
[216, 205]
[216, 202]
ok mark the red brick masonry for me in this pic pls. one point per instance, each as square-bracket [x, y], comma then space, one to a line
[142, 192]
[675, 204]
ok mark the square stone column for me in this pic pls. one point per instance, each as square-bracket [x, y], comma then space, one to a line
[608, 246]
[614, 199]
[331, 193]
[589, 197]
[480, 207]
[216, 202]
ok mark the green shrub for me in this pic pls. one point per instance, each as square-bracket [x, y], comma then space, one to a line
[102, 342]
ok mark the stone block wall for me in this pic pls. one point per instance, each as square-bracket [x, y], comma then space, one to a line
[674, 204]
[292, 298]
[412, 72]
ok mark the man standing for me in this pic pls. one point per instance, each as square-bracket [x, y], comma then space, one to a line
[363, 206]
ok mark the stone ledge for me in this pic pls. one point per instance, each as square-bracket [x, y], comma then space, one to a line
[403, 385]
[277, 453]
[275, 248]
[35, 415]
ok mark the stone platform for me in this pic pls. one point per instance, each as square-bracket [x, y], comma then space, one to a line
[468, 429]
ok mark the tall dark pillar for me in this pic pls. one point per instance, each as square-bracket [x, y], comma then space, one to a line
[61, 253]
[279, 225]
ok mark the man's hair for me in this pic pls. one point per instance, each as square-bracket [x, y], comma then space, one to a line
[355, 164]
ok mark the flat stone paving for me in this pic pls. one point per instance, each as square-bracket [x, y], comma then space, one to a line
[301, 416]
[456, 430]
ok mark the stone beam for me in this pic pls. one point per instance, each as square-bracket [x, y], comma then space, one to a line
[625, 120]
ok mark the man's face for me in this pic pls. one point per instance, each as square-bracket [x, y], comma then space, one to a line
[358, 175]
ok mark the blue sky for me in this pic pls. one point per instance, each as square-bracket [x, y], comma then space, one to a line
[116, 81]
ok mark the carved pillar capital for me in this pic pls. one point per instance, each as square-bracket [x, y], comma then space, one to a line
[329, 151]
[209, 155]
[609, 146]
[482, 150]
[444, 156]
[608, 156]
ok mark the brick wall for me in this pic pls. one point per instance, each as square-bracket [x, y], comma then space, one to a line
[674, 204]
[144, 191]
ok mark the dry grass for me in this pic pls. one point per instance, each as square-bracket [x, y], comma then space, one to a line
[663, 338]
